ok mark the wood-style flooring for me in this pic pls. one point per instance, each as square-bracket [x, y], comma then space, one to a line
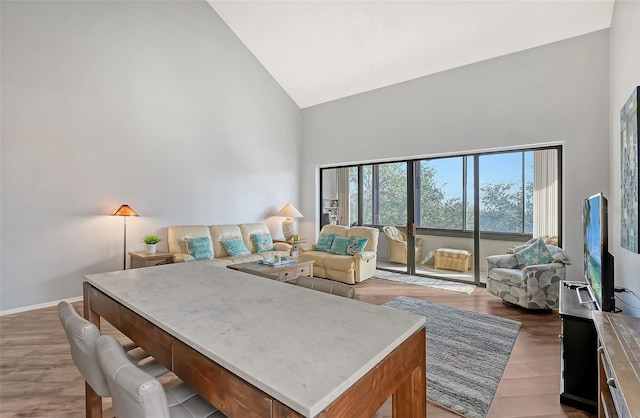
[38, 378]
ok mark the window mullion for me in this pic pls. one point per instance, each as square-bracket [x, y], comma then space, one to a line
[522, 194]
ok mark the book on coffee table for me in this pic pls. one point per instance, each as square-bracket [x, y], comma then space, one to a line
[273, 263]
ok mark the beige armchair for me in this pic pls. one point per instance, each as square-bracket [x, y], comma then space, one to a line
[398, 245]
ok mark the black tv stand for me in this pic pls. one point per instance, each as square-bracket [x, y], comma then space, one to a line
[579, 359]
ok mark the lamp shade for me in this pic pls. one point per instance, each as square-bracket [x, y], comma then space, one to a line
[290, 211]
[125, 210]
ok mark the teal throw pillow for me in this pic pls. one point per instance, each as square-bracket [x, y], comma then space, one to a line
[339, 246]
[264, 242]
[356, 245]
[324, 242]
[199, 248]
[536, 253]
[235, 247]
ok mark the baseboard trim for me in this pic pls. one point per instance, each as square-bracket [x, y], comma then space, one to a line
[38, 306]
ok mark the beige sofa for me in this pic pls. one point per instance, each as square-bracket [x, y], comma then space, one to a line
[218, 233]
[348, 269]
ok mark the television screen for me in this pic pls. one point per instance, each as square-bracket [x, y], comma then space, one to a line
[598, 263]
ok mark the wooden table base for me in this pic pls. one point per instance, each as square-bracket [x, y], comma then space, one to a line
[401, 374]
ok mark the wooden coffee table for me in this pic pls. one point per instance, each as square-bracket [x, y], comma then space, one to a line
[286, 273]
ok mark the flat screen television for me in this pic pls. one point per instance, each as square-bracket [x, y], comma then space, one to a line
[598, 263]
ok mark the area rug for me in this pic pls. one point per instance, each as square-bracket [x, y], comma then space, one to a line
[426, 281]
[467, 352]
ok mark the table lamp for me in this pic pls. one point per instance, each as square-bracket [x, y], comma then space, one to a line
[289, 225]
[125, 210]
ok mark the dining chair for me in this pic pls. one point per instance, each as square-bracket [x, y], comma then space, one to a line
[82, 335]
[326, 286]
[137, 394]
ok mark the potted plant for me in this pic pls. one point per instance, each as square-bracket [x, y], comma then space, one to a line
[151, 241]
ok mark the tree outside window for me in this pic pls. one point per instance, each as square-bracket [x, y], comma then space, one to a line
[506, 193]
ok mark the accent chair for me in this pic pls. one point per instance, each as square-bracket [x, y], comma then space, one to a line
[398, 245]
[535, 286]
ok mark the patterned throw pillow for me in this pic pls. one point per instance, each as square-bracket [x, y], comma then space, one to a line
[536, 253]
[235, 247]
[324, 242]
[199, 248]
[263, 242]
[356, 245]
[339, 246]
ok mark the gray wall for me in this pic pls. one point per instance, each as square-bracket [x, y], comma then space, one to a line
[557, 93]
[625, 76]
[153, 104]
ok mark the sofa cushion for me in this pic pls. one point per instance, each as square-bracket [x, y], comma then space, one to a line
[199, 248]
[235, 247]
[177, 234]
[356, 245]
[536, 253]
[221, 233]
[342, 263]
[337, 230]
[365, 232]
[263, 242]
[220, 262]
[246, 232]
[324, 242]
[339, 246]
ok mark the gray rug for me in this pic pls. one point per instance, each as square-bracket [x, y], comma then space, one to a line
[426, 281]
[466, 354]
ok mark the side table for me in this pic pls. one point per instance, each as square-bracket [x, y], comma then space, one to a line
[295, 246]
[144, 259]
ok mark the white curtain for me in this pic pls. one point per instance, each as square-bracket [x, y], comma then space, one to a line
[545, 193]
[343, 196]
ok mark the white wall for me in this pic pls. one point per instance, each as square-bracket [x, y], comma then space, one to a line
[551, 94]
[625, 76]
[153, 104]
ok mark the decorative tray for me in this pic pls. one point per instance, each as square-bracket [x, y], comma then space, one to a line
[273, 263]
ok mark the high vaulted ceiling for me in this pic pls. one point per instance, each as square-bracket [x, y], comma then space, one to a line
[325, 50]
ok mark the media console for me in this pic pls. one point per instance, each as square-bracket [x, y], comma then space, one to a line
[618, 364]
[579, 360]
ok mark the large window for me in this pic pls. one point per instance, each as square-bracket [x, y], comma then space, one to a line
[440, 193]
[506, 192]
[482, 203]
[445, 192]
[384, 193]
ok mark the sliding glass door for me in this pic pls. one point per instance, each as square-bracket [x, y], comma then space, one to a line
[442, 206]
[441, 217]
[386, 206]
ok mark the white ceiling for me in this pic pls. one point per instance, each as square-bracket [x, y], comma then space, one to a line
[324, 50]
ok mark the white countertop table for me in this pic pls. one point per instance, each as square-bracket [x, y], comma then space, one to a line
[292, 350]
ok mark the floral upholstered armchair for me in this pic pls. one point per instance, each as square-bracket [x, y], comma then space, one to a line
[528, 278]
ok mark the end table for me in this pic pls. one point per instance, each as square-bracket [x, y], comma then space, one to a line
[144, 259]
[295, 247]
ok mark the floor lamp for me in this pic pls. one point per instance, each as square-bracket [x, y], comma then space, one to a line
[125, 211]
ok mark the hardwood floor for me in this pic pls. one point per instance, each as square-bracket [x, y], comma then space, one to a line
[38, 378]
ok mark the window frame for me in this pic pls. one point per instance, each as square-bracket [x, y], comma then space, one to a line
[468, 227]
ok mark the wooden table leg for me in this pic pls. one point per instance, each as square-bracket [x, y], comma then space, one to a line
[93, 402]
[410, 399]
